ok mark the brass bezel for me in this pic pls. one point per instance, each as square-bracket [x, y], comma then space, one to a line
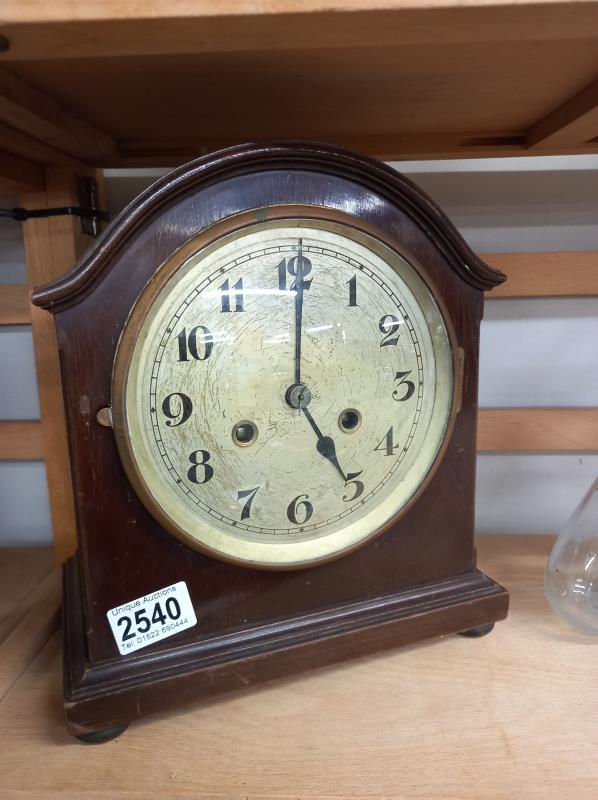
[141, 308]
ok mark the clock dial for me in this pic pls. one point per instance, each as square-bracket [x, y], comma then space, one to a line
[287, 392]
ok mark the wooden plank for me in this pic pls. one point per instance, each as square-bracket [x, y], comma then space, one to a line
[403, 50]
[573, 273]
[63, 30]
[546, 274]
[14, 304]
[499, 430]
[538, 430]
[21, 440]
[37, 115]
[35, 626]
[387, 147]
[29, 605]
[52, 246]
[570, 125]
[411, 724]
[18, 174]
[23, 146]
[560, 274]
[468, 116]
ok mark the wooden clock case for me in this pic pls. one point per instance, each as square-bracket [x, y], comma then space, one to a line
[417, 579]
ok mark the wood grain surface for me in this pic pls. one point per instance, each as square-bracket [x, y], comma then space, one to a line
[38, 621]
[32, 113]
[52, 245]
[511, 716]
[545, 274]
[394, 78]
[575, 122]
[230, 26]
[19, 174]
[14, 304]
[29, 608]
[21, 570]
[537, 430]
[30, 153]
[500, 430]
[21, 440]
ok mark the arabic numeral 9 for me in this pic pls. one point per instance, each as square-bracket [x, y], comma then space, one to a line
[177, 408]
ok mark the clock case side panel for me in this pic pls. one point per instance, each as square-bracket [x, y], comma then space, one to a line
[123, 551]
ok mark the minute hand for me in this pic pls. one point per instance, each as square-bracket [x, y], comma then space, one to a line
[325, 445]
[302, 267]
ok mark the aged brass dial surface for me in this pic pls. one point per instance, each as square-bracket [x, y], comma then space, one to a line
[283, 392]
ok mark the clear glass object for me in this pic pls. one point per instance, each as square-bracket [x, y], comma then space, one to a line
[571, 579]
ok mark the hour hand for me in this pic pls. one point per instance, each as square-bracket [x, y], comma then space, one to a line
[325, 445]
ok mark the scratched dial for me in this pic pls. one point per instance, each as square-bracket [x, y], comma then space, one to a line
[287, 393]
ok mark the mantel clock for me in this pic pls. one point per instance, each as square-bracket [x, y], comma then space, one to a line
[270, 365]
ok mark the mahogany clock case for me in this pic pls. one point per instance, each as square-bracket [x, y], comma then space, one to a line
[417, 579]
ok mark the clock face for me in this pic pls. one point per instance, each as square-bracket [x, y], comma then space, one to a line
[286, 393]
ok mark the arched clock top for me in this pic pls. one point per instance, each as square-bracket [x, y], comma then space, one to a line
[246, 159]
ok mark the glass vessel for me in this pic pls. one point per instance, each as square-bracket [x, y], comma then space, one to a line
[571, 579]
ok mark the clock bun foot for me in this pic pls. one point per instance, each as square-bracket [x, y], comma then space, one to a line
[105, 735]
[475, 633]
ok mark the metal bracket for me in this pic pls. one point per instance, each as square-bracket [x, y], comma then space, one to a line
[88, 203]
[88, 212]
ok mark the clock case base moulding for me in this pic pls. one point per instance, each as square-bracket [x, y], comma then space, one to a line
[416, 579]
[113, 694]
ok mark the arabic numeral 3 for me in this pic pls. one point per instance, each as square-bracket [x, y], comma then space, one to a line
[404, 388]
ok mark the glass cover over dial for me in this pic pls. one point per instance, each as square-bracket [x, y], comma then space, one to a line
[285, 392]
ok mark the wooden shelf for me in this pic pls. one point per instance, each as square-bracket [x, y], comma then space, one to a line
[112, 83]
[29, 609]
[507, 716]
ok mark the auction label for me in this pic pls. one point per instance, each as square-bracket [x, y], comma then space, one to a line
[153, 617]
